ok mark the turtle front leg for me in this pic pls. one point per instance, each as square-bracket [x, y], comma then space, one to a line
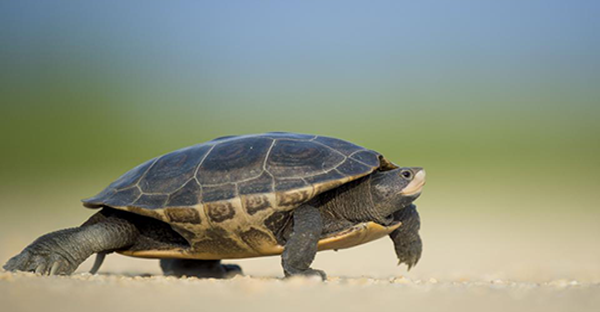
[199, 268]
[301, 248]
[61, 252]
[407, 242]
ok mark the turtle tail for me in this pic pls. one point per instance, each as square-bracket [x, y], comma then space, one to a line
[96, 218]
[98, 262]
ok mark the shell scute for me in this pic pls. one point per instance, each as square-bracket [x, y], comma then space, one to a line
[367, 157]
[151, 200]
[256, 239]
[172, 170]
[255, 203]
[293, 198]
[326, 181]
[183, 215]
[261, 184]
[124, 197]
[290, 184]
[220, 211]
[219, 192]
[352, 167]
[187, 196]
[289, 158]
[234, 160]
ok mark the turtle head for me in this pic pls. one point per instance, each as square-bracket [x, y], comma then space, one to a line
[393, 190]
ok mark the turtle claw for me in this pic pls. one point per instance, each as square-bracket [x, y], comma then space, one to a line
[319, 273]
[410, 263]
[309, 273]
[410, 257]
[43, 263]
[40, 269]
[54, 268]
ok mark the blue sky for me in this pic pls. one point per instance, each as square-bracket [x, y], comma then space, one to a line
[236, 50]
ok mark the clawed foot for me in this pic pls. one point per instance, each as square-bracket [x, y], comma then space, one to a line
[199, 268]
[410, 256]
[407, 242]
[40, 262]
[306, 273]
[232, 270]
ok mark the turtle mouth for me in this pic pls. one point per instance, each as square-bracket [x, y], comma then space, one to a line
[416, 185]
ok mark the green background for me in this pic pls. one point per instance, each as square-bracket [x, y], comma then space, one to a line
[499, 102]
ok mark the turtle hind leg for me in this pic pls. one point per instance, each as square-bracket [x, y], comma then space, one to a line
[61, 252]
[199, 268]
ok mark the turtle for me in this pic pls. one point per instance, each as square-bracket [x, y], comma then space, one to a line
[244, 196]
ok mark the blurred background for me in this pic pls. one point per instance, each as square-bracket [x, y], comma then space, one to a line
[499, 101]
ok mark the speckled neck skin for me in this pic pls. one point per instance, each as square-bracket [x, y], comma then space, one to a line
[372, 198]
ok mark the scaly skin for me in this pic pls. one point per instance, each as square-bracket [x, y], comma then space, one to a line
[407, 242]
[61, 252]
[301, 248]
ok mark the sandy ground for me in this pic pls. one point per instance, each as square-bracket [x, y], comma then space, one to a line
[26, 292]
[471, 262]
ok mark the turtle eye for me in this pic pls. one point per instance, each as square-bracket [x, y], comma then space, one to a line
[407, 174]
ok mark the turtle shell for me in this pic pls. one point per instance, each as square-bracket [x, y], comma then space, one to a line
[230, 191]
[293, 167]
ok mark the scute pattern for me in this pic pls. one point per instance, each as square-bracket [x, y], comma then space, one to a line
[289, 184]
[183, 215]
[291, 199]
[219, 193]
[170, 170]
[352, 167]
[217, 241]
[366, 157]
[256, 238]
[332, 175]
[124, 197]
[291, 167]
[255, 203]
[277, 221]
[290, 158]
[187, 196]
[220, 211]
[261, 184]
[233, 161]
[151, 200]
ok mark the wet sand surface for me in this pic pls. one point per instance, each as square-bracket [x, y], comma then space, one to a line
[471, 262]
